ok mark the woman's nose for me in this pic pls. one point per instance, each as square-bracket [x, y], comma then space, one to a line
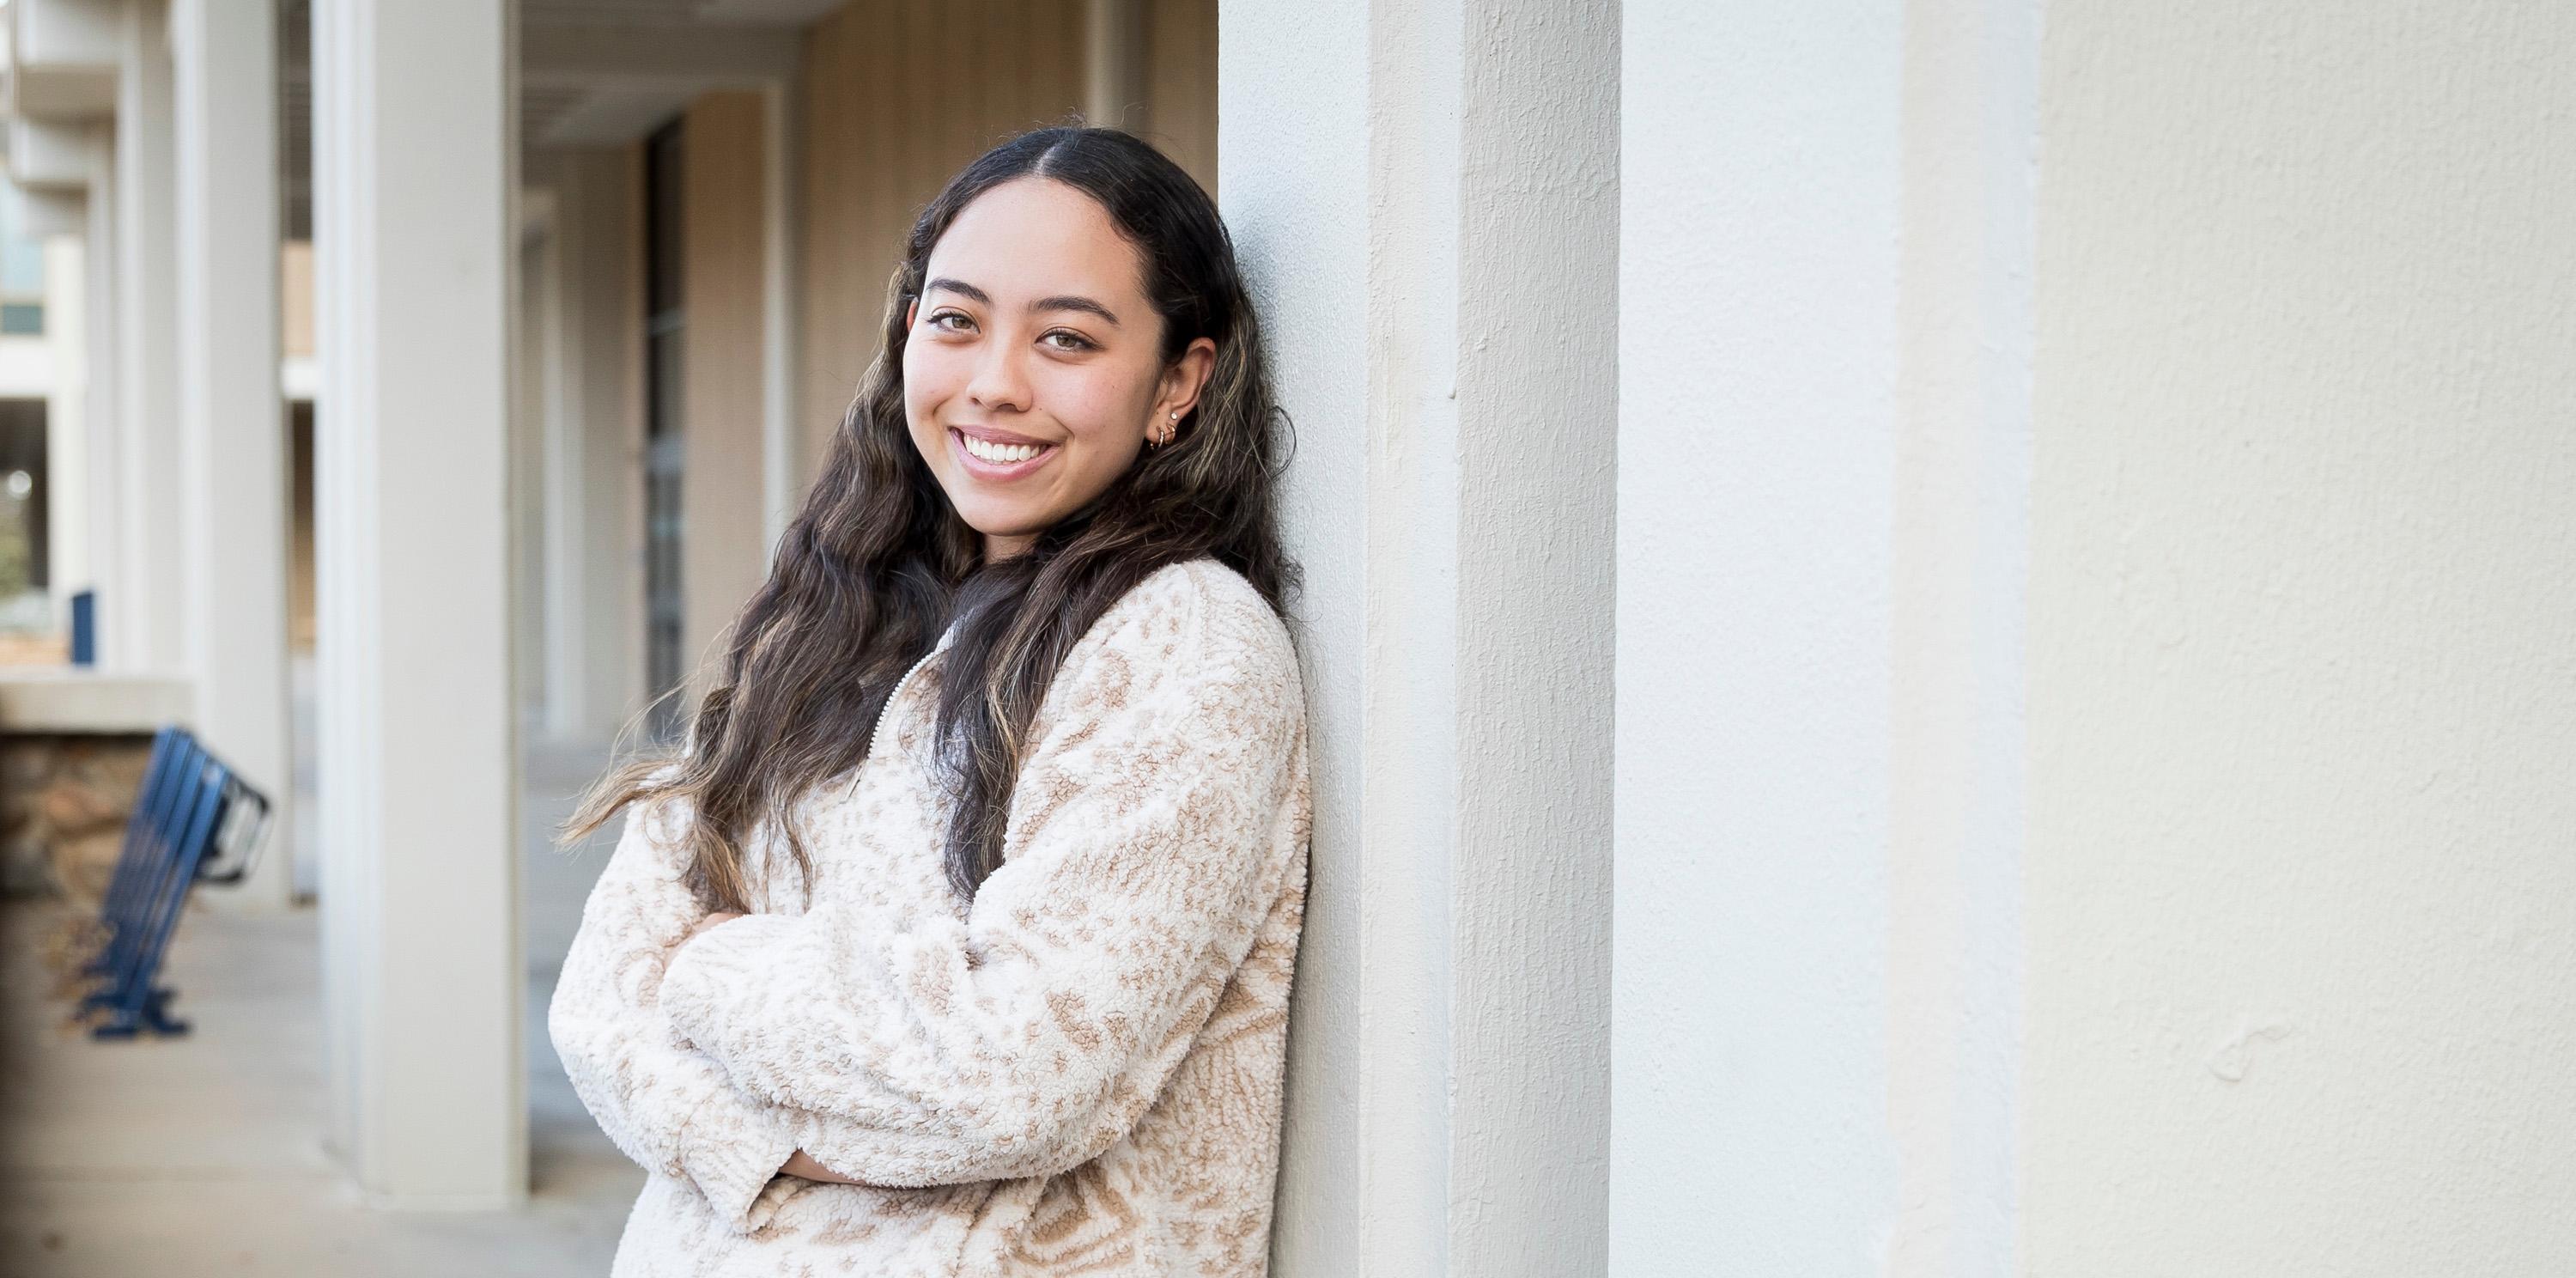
[999, 381]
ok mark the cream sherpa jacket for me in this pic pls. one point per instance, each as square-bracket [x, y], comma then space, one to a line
[1076, 1073]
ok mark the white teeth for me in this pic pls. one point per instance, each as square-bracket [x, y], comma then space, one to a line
[1000, 454]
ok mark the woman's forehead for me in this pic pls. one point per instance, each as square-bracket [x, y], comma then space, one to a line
[1034, 237]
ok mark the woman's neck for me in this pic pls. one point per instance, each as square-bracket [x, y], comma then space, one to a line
[998, 548]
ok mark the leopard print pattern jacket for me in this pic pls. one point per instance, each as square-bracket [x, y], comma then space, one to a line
[1076, 1072]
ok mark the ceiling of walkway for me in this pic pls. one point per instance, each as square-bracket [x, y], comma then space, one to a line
[592, 72]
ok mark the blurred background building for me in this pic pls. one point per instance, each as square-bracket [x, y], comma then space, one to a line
[420, 392]
[1938, 629]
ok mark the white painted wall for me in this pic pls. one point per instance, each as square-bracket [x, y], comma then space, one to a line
[1823, 537]
[1757, 362]
[28, 370]
[2091, 678]
[1425, 198]
[2302, 888]
[414, 173]
[231, 429]
[1957, 620]
[141, 611]
[68, 33]
[101, 335]
[67, 458]
[1536, 394]
[1292, 163]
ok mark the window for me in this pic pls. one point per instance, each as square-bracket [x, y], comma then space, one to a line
[665, 653]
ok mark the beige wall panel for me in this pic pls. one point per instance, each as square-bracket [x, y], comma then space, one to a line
[722, 557]
[295, 298]
[530, 376]
[2301, 883]
[835, 194]
[596, 661]
[1180, 84]
[1056, 67]
[615, 398]
[888, 120]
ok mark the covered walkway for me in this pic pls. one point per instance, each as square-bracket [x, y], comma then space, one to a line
[209, 1154]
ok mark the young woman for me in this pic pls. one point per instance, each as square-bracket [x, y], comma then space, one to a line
[958, 941]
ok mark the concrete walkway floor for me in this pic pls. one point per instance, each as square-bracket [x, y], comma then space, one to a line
[208, 1155]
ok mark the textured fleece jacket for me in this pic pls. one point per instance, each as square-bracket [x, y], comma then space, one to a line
[1076, 1072]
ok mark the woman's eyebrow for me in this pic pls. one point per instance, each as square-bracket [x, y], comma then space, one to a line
[1074, 303]
[1066, 302]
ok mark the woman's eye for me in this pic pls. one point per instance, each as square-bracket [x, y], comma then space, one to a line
[942, 320]
[1065, 340]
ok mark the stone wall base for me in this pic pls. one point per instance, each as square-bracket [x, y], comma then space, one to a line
[63, 803]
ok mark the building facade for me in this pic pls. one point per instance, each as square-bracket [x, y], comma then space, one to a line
[1934, 627]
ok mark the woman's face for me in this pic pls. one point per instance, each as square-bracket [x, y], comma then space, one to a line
[1033, 371]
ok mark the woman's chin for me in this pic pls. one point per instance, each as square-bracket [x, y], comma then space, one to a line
[1013, 528]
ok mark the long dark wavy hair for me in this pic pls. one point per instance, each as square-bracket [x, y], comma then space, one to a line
[876, 563]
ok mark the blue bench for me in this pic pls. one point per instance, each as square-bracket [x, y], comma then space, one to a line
[194, 821]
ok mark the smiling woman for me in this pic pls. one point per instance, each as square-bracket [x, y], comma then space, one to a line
[958, 940]
[1027, 396]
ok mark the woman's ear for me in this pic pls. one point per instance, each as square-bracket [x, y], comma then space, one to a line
[1184, 379]
[911, 309]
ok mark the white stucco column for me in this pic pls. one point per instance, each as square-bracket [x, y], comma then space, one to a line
[141, 624]
[104, 483]
[232, 435]
[1426, 197]
[67, 459]
[550, 295]
[51, 165]
[413, 162]
[1824, 554]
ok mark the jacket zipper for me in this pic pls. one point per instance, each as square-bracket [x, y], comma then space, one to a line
[876, 737]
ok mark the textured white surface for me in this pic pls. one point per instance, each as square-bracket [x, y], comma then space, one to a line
[140, 618]
[233, 461]
[1292, 180]
[1757, 360]
[64, 390]
[412, 176]
[81, 699]
[1425, 198]
[1958, 722]
[1537, 461]
[2302, 895]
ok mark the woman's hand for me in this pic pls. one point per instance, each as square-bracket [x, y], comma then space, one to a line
[802, 1164]
[719, 916]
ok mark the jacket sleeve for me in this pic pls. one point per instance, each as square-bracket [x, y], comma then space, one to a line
[1148, 829]
[665, 1106]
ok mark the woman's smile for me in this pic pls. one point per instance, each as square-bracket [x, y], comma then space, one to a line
[995, 456]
